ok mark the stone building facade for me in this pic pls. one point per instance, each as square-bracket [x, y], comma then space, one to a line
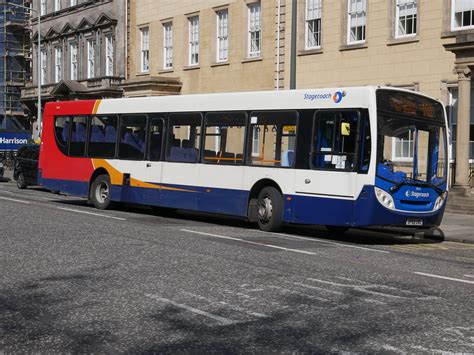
[420, 45]
[82, 50]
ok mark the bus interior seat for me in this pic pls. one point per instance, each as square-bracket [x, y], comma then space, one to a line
[64, 134]
[110, 134]
[96, 134]
[239, 158]
[229, 158]
[288, 158]
[191, 154]
[130, 140]
[80, 135]
[210, 155]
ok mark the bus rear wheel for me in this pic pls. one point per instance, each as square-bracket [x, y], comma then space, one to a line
[101, 192]
[270, 209]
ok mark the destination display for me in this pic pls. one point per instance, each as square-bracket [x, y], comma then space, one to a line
[409, 104]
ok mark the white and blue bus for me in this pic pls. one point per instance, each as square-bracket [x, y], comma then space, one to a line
[339, 157]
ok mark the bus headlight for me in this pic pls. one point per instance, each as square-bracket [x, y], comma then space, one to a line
[439, 201]
[384, 198]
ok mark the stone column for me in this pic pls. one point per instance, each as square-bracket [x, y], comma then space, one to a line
[462, 128]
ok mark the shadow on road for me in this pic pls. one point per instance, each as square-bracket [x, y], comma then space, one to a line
[362, 236]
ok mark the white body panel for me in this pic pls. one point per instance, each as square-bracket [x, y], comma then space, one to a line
[335, 184]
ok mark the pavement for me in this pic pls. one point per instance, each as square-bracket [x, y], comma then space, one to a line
[455, 227]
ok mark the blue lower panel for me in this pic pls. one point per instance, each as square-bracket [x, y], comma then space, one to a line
[320, 210]
[70, 187]
[365, 211]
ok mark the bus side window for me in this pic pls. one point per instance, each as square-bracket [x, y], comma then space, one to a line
[62, 130]
[184, 137]
[272, 140]
[77, 145]
[132, 137]
[224, 138]
[334, 140]
[102, 136]
[155, 139]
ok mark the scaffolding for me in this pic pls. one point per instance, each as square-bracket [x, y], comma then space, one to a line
[15, 64]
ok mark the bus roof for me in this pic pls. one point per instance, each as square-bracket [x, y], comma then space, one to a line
[348, 97]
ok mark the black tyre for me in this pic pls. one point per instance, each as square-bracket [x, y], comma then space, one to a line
[100, 194]
[270, 209]
[21, 182]
[337, 229]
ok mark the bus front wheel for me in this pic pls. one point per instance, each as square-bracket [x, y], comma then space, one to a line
[270, 209]
[101, 192]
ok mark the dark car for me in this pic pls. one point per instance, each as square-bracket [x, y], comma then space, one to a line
[26, 166]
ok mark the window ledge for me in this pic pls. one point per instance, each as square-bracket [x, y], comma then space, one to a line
[451, 33]
[191, 67]
[165, 71]
[219, 64]
[253, 59]
[310, 51]
[403, 40]
[143, 73]
[350, 47]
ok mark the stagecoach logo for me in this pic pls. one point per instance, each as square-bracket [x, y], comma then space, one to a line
[13, 140]
[417, 194]
[336, 97]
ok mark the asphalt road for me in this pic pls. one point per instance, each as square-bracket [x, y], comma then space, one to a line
[75, 279]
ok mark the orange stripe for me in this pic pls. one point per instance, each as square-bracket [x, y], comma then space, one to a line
[116, 177]
[96, 106]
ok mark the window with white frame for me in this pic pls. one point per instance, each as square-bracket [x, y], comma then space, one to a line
[463, 14]
[109, 55]
[57, 5]
[44, 66]
[193, 40]
[58, 64]
[403, 148]
[144, 49]
[254, 30]
[73, 54]
[168, 45]
[256, 142]
[73, 3]
[90, 59]
[43, 7]
[357, 21]
[313, 24]
[406, 18]
[222, 35]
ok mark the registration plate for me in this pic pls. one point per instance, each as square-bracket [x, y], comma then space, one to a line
[414, 222]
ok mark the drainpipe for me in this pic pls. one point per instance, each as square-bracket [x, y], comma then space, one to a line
[293, 45]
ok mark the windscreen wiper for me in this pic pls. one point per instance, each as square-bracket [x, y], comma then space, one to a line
[398, 185]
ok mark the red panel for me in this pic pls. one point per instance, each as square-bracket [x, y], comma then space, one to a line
[53, 163]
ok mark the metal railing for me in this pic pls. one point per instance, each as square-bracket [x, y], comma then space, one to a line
[452, 174]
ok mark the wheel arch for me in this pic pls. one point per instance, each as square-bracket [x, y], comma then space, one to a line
[253, 196]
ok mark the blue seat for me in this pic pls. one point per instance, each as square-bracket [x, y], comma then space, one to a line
[96, 134]
[80, 134]
[110, 134]
[65, 132]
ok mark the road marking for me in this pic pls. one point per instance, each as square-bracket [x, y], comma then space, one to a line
[221, 320]
[14, 200]
[444, 277]
[362, 288]
[318, 240]
[470, 276]
[249, 242]
[90, 213]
